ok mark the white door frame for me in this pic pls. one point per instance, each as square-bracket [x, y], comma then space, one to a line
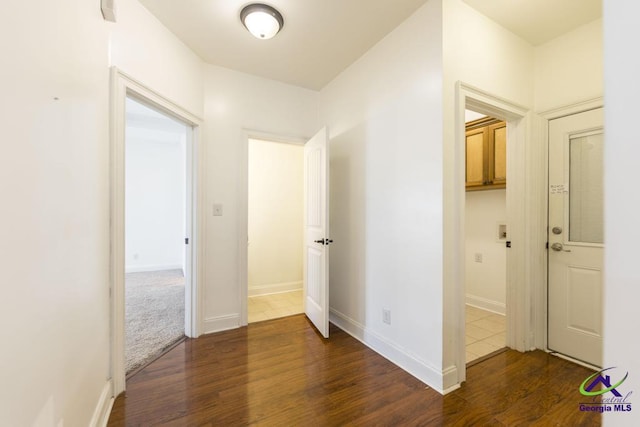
[243, 209]
[547, 116]
[526, 227]
[121, 87]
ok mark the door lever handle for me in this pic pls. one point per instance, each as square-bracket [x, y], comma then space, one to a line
[323, 241]
[559, 248]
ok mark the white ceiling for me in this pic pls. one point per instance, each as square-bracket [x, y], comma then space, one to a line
[321, 38]
[538, 21]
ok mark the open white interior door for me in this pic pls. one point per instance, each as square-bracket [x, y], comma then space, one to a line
[316, 236]
[576, 235]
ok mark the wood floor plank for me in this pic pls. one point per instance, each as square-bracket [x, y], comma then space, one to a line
[282, 373]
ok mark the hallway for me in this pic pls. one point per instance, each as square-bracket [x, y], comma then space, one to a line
[281, 372]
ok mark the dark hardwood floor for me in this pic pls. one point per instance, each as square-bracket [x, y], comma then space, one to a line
[282, 373]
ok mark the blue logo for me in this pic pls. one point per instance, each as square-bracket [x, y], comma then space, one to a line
[604, 380]
[597, 386]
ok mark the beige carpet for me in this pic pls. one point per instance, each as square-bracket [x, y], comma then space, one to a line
[154, 315]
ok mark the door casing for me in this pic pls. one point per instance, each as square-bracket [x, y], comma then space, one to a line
[525, 219]
[122, 86]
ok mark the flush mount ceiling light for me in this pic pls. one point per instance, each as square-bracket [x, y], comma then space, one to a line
[262, 20]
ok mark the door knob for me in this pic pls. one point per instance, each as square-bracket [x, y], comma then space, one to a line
[558, 247]
[324, 241]
[556, 230]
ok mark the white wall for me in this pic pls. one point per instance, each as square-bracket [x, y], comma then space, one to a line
[55, 185]
[622, 201]
[234, 104]
[54, 217]
[504, 69]
[155, 198]
[146, 50]
[568, 69]
[385, 115]
[276, 200]
[486, 281]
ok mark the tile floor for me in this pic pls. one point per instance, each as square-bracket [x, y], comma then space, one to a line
[265, 307]
[485, 332]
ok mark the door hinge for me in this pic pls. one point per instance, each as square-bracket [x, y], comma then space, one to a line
[186, 240]
[508, 243]
[547, 245]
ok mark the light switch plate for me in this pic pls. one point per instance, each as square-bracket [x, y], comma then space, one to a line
[217, 209]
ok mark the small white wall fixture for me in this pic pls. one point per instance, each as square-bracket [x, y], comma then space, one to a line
[123, 86]
[525, 219]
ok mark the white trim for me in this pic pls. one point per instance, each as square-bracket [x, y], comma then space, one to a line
[522, 220]
[243, 227]
[243, 210]
[391, 351]
[567, 110]
[272, 137]
[275, 288]
[102, 411]
[122, 86]
[221, 323]
[538, 261]
[486, 304]
[146, 268]
[449, 376]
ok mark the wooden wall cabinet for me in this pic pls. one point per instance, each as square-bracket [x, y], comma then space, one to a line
[486, 154]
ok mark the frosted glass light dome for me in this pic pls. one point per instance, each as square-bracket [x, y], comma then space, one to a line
[261, 20]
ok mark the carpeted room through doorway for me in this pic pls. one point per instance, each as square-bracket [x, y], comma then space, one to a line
[154, 315]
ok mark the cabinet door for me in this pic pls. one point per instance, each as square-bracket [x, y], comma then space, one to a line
[477, 145]
[498, 153]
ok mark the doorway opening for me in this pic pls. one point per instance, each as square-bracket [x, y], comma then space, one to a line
[156, 252]
[524, 223]
[123, 87]
[315, 225]
[275, 229]
[485, 236]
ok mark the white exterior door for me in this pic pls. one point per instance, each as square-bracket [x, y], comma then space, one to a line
[576, 238]
[316, 238]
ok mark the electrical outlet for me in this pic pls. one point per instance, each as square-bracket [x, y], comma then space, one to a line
[386, 316]
[217, 209]
[478, 257]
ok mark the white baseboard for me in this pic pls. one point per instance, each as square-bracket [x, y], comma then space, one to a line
[274, 288]
[102, 410]
[390, 351]
[145, 268]
[487, 304]
[450, 379]
[221, 323]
